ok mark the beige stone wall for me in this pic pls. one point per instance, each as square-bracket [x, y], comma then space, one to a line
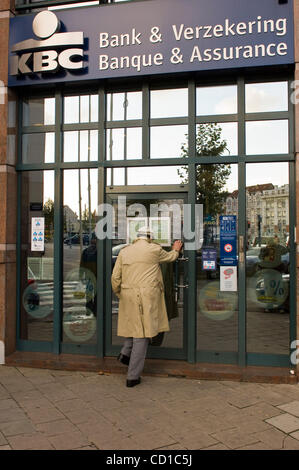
[8, 193]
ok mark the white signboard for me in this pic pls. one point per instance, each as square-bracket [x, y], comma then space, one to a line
[37, 234]
[133, 225]
[228, 278]
[160, 226]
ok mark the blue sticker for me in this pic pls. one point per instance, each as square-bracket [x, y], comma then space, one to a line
[228, 240]
[209, 259]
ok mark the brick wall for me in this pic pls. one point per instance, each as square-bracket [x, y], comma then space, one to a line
[8, 192]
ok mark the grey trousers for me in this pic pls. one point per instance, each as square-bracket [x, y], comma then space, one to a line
[136, 349]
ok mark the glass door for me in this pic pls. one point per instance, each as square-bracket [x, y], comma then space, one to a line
[164, 214]
[217, 262]
[269, 280]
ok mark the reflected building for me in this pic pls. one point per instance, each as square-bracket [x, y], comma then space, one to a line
[267, 210]
[275, 211]
[71, 222]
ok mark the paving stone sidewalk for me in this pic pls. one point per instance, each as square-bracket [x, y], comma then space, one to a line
[50, 409]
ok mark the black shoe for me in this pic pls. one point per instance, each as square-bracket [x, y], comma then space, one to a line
[123, 359]
[132, 383]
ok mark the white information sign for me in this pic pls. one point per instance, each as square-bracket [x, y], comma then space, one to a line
[228, 278]
[37, 234]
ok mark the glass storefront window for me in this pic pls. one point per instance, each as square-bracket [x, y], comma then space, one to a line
[124, 106]
[215, 139]
[115, 176]
[38, 148]
[80, 146]
[268, 258]
[215, 100]
[147, 175]
[267, 137]
[167, 141]
[37, 256]
[215, 311]
[266, 97]
[80, 256]
[124, 144]
[217, 306]
[80, 109]
[38, 111]
[169, 103]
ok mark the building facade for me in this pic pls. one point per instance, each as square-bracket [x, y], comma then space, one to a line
[188, 125]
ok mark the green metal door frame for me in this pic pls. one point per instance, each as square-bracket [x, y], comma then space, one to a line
[154, 352]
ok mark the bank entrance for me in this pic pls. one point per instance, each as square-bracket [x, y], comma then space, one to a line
[159, 154]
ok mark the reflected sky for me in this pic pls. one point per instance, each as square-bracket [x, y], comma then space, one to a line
[84, 108]
[262, 173]
[166, 141]
[216, 100]
[71, 189]
[145, 175]
[266, 97]
[267, 137]
[169, 103]
[80, 146]
[122, 106]
[124, 143]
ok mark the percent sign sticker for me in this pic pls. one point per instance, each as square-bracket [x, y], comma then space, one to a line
[268, 288]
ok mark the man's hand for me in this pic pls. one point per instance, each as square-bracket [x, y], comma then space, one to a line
[177, 246]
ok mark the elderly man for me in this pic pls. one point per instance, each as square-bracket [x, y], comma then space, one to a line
[137, 281]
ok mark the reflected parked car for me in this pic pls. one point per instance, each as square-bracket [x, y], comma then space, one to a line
[115, 251]
[253, 261]
[75, 239]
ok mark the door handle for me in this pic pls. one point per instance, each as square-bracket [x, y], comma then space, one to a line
[176, 290]
[182, 259]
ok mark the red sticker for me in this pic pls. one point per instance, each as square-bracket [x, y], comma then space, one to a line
[228, 248]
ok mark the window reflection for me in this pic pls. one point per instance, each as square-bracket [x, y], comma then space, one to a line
[154, 175]
[217, 306]
[38, 148]
[124, 106]
[124, 144]
[37, 256]
[116, 176]
[147, 175]
[80, 109]
[80, 146]
[167, 141]
[268, 257]
[216, 100]
[169, 103]
[38, 111]
[266, 97]
[215, 139]
[267, 137]
[80, 256]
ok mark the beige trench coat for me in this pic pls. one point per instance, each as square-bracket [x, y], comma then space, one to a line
[137, 281]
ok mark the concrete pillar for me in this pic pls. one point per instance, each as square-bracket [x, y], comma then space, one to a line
[8, 193]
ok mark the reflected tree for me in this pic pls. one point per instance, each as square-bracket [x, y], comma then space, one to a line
[48, 211]
[210, 178]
